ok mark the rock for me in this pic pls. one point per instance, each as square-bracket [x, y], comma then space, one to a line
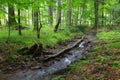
[36, 67]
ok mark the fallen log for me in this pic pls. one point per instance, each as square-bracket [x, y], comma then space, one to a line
[63, 51]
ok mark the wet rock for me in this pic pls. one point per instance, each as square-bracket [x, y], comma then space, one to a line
[36, 67]
[9, 68]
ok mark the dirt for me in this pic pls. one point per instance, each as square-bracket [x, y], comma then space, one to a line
[33, 61]
[97, 68]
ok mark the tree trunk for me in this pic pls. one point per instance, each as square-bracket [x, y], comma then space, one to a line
[76, 19]
[50, 11]
[58, 16]
[25, 16]
[11, 16]
[69, 13]
[19, 29]
[0, 22]
[119, 13]
[35, 20]
[96, 14]
[29, 19]
[83, 9]
[102, 13]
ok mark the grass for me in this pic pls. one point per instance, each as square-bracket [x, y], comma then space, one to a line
[110, 36]
[102, 64]
[48, 38]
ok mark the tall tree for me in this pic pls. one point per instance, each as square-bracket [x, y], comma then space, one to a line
[103, 2]
[83, 11]
[96, 13]
[0, 22]
[11, 15]
[69, 13]
[19, 26]
[77, 14]
[50, 11]
[58, 16]
[37, 22]
[35, 19]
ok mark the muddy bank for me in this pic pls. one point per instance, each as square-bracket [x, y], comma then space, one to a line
[52, 66]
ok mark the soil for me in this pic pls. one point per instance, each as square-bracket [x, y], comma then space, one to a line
[34, 60]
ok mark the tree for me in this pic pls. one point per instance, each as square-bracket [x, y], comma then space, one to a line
[77, 14]
[19, 26]
[36, 20]
[103, 2]
[11, 15]
[96, 13]
[0, 22]
[69, 13]
[58, 16]
[50, 11]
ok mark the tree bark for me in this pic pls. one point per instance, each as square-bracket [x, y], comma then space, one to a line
[102, 13]
[11, 16]
[50, 11]
[119, 13]
[76, 19]
[96, 14]
[69, 13]
[0, 22]
[58, 16]
[35, 20]
[19, 25]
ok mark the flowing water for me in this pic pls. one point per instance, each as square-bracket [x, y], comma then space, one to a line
[57, 65]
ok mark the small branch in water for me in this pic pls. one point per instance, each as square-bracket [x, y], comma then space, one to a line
[63, 51]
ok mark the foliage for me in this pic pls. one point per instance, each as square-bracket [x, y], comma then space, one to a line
[110, 36]
[48, 38]
[104, 60]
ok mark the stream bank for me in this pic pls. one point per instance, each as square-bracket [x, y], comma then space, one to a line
[57, 64]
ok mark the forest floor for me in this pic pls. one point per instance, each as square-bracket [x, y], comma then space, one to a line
[102, 64]
[10, 57]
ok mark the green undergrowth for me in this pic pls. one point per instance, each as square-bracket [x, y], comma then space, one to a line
[102, 64]
[110, 36]
[48, 38]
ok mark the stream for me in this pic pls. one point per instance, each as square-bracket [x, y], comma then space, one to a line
[55, 65]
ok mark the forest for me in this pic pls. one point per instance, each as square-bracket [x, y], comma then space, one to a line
[59, 39]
